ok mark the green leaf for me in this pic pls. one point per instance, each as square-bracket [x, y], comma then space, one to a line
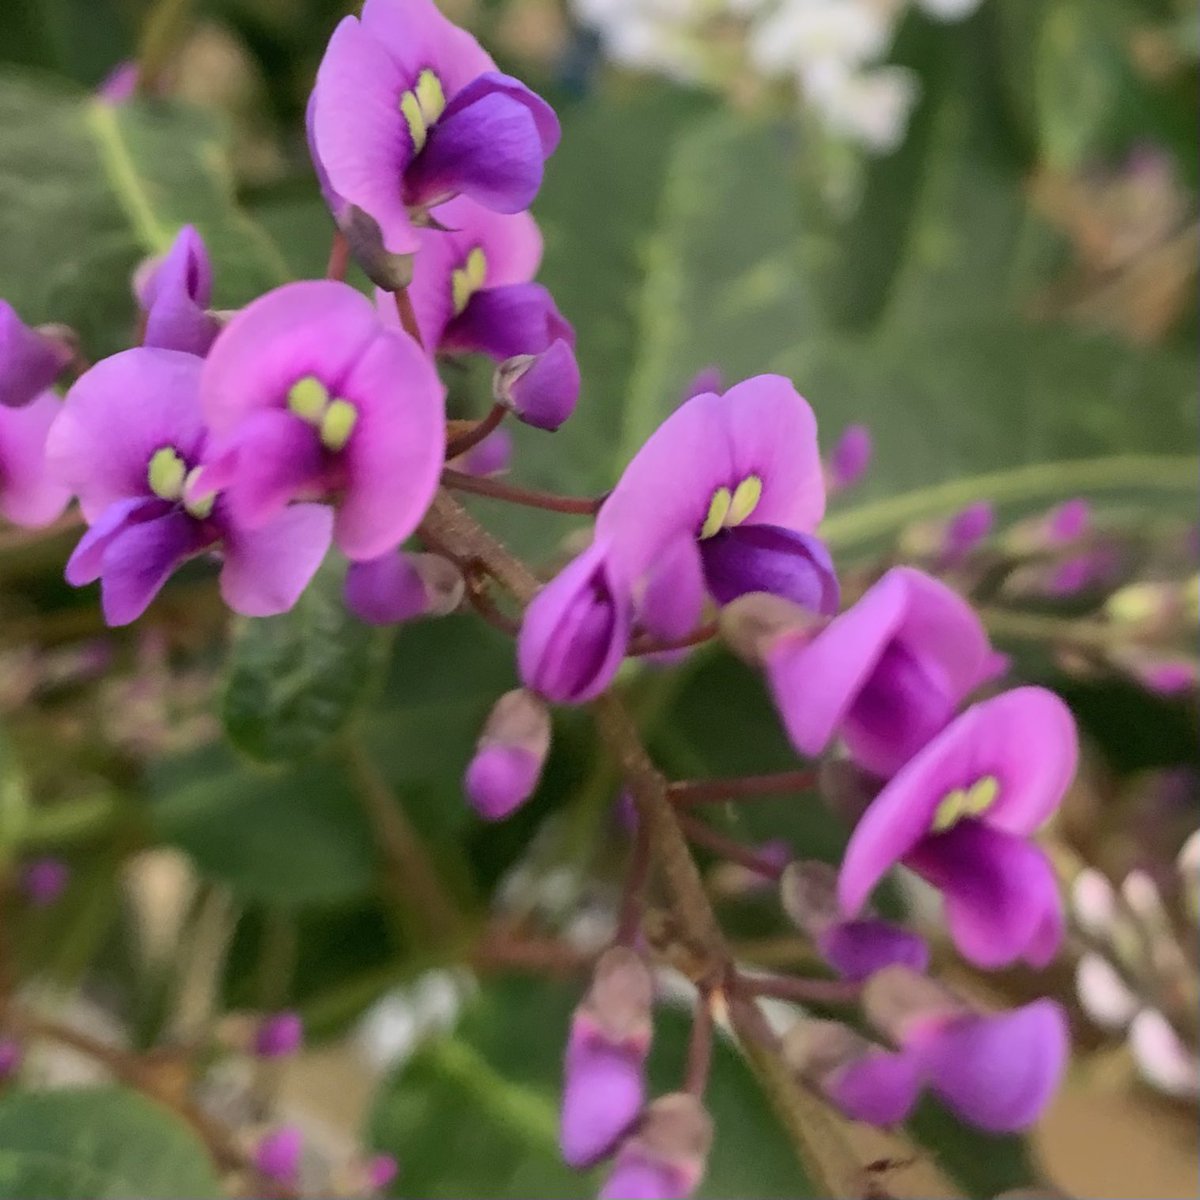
[984, 1164]
[295, 679]
[290, 838]
[477, 1114]
[87, 190]
[98, 1144]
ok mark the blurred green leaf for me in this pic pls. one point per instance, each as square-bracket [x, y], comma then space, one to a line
[98, 1144]
[983, 1164]
[295, 680]
[87, 190]
[287, 837]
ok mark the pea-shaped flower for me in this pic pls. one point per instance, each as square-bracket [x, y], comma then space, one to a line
[174, 292]
[310, 396]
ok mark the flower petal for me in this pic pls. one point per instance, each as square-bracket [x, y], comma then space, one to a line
[766, 558]
[29, 361]
[417, 35]
[266, 569]
[880, 1088]
[87, 559]
[603, 1092]
[501, 322]
[141, 558]
[176, 295]
[29, 492]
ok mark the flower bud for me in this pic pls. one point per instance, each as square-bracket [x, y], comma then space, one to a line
[279, 1035]
[757, 623]
[44, 880]
[380, 1170]
[966, 530]
[576, 631]
[1162, 1058]
[277, 1155]
[492, 456]
[1147, 607]
[11, 1056]
[850, 458]
[401, 587]
[665, 1159]
[30, 359]
[509, 755]
[1093, 903]
[1068, 522]
[392, 272]
[541, 389]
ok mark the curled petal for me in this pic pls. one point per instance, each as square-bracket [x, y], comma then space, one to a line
[141, 558]
[766, 558]
[30, 361]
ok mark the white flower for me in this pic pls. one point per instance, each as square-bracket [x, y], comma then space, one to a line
[871, 107]
[1103, 993]
[1164, 1061]
[948, 10]
[800, 33]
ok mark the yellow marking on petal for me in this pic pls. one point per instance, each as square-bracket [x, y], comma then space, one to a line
[166, 473]
[745, 500]
[430, 96]
[338, 424]
[965, 802]
[948, 812]
[308, 398]
[414, 118]
[982, 796]
[718, 510]
[199, 506]
[466, 280]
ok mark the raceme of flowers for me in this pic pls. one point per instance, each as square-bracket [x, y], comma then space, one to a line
[315, 418]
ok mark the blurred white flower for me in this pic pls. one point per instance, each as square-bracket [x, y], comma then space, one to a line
[1093, 903]
[871, 107]
[1103, 993]
[1162, 1058]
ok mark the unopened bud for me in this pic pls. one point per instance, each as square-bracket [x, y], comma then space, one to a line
[278, 1154]
[666, 1158]
[1161, 1056]
[492, 456]
[966, 531]
[392, 272]
[509, 755]
[380, 1170]
[30, 359]
[401, 587]
[754, 624]
[1093, 903]
[279, 1035]
[1148, 607]
[621, 995]
[541, 389]
[902, 1003]
[850, 458]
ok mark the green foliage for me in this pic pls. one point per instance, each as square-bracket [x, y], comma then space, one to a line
[97, 1144]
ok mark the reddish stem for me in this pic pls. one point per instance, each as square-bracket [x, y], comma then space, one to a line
[339, 257]
[699, 635]
[579, 505]
[704, 835]
[699, 1058]
[802, 991]
[688, 792]
[476, 434]
[634, 894]
[408, 316]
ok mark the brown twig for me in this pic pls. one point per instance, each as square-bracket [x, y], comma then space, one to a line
[471, 438]
[699, 635]
[704, 835]
[633, 896]
[700, 1045]
[528, 497]
[802, 991]
[408, 315]
[688, 792]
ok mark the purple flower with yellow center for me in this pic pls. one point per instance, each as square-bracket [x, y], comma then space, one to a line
[409, 111]
[960, 814]
[30, 359]
[722, 500]
[131, 442]
[888, 673]
[29, 492]
[472, 292]
[174, 292]
[310, 396]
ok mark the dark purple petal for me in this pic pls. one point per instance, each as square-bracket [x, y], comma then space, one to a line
[767, 558]
[541, 390]
[501, 322]
[86, 563]
[857, 949]
[141, 558]
[998, 1072]
[29, 360]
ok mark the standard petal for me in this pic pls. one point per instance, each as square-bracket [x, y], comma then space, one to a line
[773, 435]
[394, 457]
[141, 558]
[314, 328]
[999, 1072]
[116, 416]
[767, 558]
[417, 35]
[1000, 891]
[30, 494]
[358, 133]
[266, 569]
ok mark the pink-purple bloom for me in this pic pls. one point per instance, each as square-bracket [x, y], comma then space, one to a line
[310, 396]
[30, 359]
[507, 764]
[960, 813]
[279, 1035]
[966, 531]
[409, 111]
[398, 586]
[130, 442]
[30, 494]
[43, 880]
[492, 456]
[888, 673]
[850, 458]
[278, 1154]
[174, 293]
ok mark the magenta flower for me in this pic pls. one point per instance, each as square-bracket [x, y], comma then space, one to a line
[277, 1155]
[399, 587]
[279, 1035]
[850, 458]
[409, 111]
[966, 531]
[130, 442]
[960, 814]
[30, 359]
[664, 1159]
[576, 630]
[508, 760]
[310, 397]
[722, 500]
[380, 1171]
[887, 674]
[44, 880]
[174, 292]
[29, 492]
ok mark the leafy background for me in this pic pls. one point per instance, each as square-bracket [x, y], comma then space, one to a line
[681, 231]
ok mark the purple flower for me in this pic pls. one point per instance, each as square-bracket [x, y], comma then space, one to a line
[277, 1155]
[29, 492]
[888, 673]
[174, 292]
[472, 293]
[120, 85]
[279, 1035]
[1068, 522]
[310, 396]
[665, 1158]
[722, 499]
[409, 111]
[960, 814]
[966, 530]
[44, 880]
[576, 629]
[30, 359]
[381, 1169]
[11, 1056]
[130, 442]
[399, 587]
[604, 1085]
[492, 456]
[850, 458]
[510, 755]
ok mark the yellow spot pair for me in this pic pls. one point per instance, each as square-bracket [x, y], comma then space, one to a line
[422, 106]
[334, 419]
[169, 479]
[731, 508]
[965, 802]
